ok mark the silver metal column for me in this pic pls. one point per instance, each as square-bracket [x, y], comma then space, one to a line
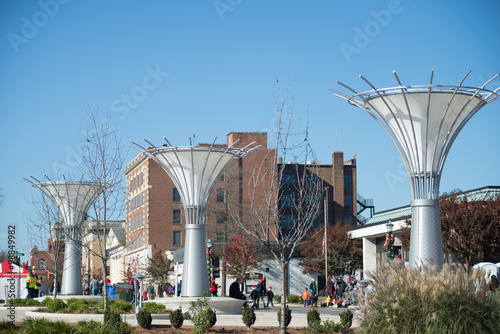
[423, 122]
[194, 272]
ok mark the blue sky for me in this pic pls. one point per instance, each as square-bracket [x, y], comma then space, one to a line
[176, 68]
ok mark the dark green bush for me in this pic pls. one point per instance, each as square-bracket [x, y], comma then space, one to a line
[121, 306]
[346, 319]
[312, 316]
[32, 302]
[204, 320]
[248, 316]
[288, 316]
[46, 301]
[89, 327]
[110, 303]
[277, 298]
[154, 308]
[327, 327]
[176, 318]
[294, 299]
[144, 319]
[114, 324]
[6, 327]
[56, 305]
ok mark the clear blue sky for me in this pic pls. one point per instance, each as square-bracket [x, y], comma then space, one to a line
[215, 66]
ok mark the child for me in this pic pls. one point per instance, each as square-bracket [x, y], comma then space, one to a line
[270, 296]
[305, 297]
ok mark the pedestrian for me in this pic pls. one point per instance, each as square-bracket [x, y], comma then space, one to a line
[160, 290]
[313, 292]
[144, 295]
[94, 286]
[234, 289]
[170, 291]
[131, 282]
[306, 297]
[329, 286]
[213, 288]
[254, 295]
[341, 286]
[262, 291]
[179, 287]
[352, 287]
[150, 292]
[86, 288]
[43, 287]
[31, 283]
[101, 285]
[270, 297]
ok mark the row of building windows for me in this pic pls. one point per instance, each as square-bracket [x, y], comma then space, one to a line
[137, 201]
[137, 222]
[137, 181]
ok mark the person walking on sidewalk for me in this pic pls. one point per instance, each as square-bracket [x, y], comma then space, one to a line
[270, 297]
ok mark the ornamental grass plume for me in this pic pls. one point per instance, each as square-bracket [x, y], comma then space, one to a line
[428, 300]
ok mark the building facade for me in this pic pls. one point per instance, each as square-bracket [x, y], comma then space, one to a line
[155, 216]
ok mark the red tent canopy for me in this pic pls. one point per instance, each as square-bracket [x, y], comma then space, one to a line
[12, 271]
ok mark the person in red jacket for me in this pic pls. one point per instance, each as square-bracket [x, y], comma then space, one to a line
[213, 288]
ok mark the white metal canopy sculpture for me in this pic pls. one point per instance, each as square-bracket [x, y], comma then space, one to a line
[72, 198]
[194, 170]
[423, 122]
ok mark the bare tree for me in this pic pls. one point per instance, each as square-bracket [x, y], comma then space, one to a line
[103, 158]
[46, 227]
[285, 198]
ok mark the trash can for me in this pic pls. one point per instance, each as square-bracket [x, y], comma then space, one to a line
[110, 291]
[123, 291]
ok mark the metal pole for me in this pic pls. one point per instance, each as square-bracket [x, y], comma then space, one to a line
[326, 248]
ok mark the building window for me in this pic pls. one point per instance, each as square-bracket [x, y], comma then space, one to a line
[177, 238]
[41, 264]
[287, 201]
[347, 219]
[176, 198]
[50, 248]
[347, 202]
[142, 178]
[347, 182]
[62, 235]
[176, 216]
[286, 221]
[288, 181]
[220, 178]
[221, 196]
[220, 236]
[220, 218]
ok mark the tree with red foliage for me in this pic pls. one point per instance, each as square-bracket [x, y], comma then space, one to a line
[240, 257]
[471, 229]
[345, 255]
[134, 267]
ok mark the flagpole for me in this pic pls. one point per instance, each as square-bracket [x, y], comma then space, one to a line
[324, 237]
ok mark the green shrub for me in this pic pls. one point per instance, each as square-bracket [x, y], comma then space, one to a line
[121, 306]
[114, 324]
[426, 299]
[204, 320]
[56, 305]
[89, 327]
[294, 299]
[327, 327]
[176, 318]
[313, 316]
[6, 327]
[32, 302]
[248, 316]
[144, 319]
[154, 308]
[288, 316]
[346, 319]
[46, 301]
[277, 298]
[37, 326]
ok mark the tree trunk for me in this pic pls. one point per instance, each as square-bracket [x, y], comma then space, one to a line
[283, 296]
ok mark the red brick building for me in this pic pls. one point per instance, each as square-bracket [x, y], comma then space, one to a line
[155, 214]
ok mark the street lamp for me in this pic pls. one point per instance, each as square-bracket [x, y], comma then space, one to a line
[389, 240]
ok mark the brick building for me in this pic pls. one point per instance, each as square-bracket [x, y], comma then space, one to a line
[155, 216]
